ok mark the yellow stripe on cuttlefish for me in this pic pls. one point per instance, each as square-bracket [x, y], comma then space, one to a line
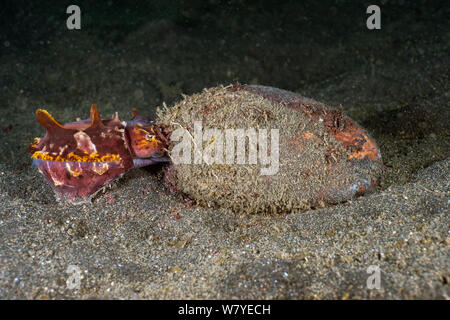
[93, 157]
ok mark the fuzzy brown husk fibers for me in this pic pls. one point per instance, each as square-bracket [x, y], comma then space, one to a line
[314, 167]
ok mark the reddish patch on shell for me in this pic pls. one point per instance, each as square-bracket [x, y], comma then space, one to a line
[297, 140]
[354, 139]
[352, 136]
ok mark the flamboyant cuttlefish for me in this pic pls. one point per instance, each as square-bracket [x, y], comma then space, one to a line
[80, 158]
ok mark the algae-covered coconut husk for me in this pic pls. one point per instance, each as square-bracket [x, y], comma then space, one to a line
[299, 153]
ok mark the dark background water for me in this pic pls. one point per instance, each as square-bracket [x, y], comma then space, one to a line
[226, 31]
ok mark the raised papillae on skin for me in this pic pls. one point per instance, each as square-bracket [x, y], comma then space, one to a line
[80, 158]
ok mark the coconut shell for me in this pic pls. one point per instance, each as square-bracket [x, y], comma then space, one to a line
[324, 157]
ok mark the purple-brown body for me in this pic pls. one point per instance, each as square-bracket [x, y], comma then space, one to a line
[80, 158]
